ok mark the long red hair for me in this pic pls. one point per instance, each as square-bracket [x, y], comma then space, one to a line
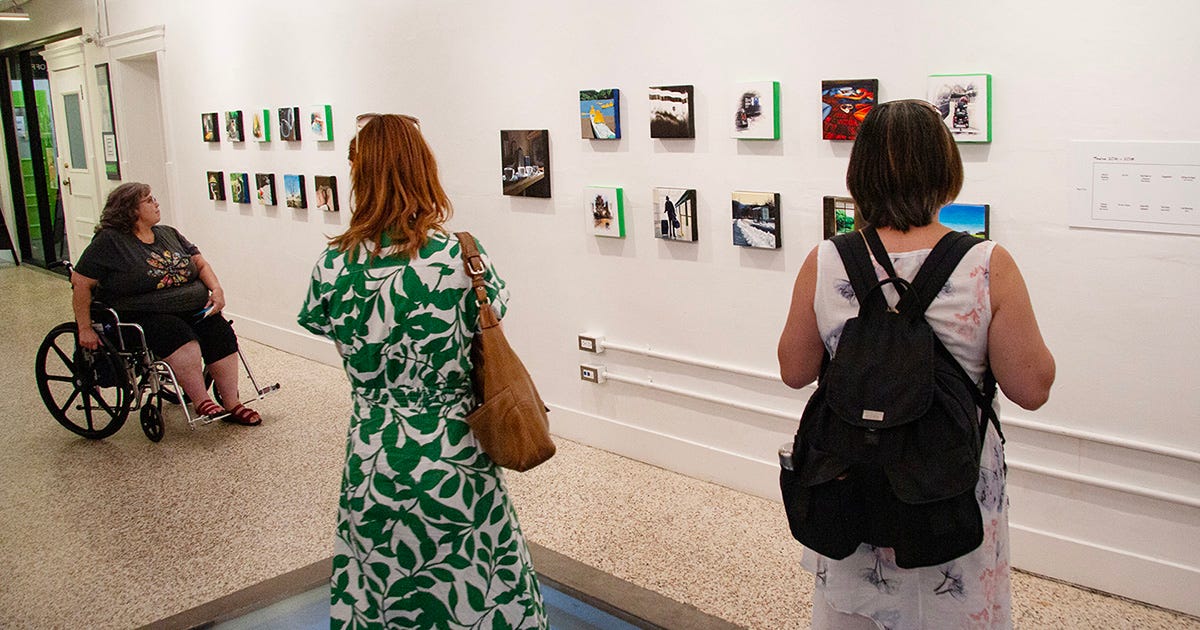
[395, 190]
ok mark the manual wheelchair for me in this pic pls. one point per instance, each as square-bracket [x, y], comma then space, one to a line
[92, 392]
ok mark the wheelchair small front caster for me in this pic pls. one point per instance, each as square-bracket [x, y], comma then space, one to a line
[152, 423]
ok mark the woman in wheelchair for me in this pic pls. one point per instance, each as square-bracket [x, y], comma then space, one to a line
[155, 277]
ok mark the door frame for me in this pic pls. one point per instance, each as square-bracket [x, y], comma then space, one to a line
[61, 56]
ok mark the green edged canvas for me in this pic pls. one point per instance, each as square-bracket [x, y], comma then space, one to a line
[965, 103]
[756, 110]
[260, 125]
[320, 122]
[606, 207]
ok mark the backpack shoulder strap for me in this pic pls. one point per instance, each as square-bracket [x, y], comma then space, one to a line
[871, 236]
[936, 270]
[857, 261]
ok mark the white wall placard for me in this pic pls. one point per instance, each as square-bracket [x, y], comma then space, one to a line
[1139, 186]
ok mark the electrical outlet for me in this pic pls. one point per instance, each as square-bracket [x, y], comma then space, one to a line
[591, 343]
[591, 373]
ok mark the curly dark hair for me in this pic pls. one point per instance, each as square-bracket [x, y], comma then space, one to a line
[121, 208]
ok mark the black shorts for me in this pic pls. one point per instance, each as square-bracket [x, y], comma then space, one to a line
[168, 332]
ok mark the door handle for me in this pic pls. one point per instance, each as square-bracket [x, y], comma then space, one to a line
[67, 183]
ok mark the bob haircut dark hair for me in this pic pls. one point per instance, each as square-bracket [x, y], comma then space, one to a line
[904, 166]
[121, 208]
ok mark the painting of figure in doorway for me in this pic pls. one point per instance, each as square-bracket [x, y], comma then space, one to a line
[844, 105]
[525, 162]
[675, 214]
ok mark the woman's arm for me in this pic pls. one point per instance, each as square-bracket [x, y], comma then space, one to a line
[800, 345]
[81, 302]
[1020, 360]
[216, 298]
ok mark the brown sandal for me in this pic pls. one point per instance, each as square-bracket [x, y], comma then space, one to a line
[209, 408]
[243, 415]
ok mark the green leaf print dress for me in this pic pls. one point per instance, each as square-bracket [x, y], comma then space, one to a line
[426, 536]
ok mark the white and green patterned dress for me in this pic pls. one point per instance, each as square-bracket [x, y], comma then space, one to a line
[427, 536]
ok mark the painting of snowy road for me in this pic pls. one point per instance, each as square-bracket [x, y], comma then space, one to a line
[756, 219]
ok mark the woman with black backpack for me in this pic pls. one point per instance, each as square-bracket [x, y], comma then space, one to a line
[903, 169]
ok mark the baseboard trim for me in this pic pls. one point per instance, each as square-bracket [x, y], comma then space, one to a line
[298, 343]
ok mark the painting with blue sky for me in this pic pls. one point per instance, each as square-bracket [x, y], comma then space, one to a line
[600, 114]
[972, 218]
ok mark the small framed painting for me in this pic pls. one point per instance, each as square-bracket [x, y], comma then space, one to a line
[233, 126]
[260, 125]
[216, 185]
[209, 123]
[675, 214]
[606, 206]
[289, 124]
[671, 114]
[327, 196]
[844, 105]
[840, 214]
[972, 218]
[600, 114]
[525, 162]
[293, 191]
[756, 111]
[756, 219]
[239, 187]
[320, 122]
[265, 186]
[965, 102]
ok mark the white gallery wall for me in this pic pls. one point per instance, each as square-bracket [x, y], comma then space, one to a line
[1105, 479]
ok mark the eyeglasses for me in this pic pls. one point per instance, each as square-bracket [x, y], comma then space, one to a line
[150, 199]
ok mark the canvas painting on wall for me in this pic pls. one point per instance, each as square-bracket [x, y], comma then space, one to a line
[233, 126]
[320, 122]
[844, 105]
[606, 206]
[972, 218]
[289, 124]
[525, 162]
[264, 184]
[600, 114]
[293, 191]
[675, 214]
[327, 196]
[209, 123]
[965, 102]
[756, 111]
[260, 125]
[756, 219]
[216, 185]
[671, 114]
[239, 187]
[840, 215]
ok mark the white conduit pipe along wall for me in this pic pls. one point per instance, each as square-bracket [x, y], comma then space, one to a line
[594, 343]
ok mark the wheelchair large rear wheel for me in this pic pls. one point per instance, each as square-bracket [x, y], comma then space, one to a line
[88, 392]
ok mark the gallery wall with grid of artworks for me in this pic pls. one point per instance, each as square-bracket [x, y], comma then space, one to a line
[753, 109]
[287, 124]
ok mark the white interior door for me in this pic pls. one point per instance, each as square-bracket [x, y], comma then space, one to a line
[73, 136]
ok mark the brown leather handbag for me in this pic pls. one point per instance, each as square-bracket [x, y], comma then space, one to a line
[510, 423]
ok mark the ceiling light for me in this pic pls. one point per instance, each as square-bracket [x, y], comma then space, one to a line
[15, 14]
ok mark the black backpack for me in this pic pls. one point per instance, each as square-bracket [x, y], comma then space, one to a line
[888, 448]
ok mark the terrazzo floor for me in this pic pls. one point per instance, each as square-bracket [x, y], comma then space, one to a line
[121, 532]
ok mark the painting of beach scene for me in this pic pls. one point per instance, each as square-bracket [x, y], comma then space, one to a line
[840, 215]
[675, 214]
[605, 206]
[293, 191]
[264, 184]
[600, 114]
[671, 113]
[756, 219]
[965, 102]
[525, 162]
[756, 113]
[844, 105]
[972, 218]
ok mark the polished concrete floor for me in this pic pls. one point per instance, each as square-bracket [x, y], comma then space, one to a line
[122, 532]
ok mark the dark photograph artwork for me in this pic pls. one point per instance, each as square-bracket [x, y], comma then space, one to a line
[289, 123]
[216, 185]
[525, 162]
[671, 113]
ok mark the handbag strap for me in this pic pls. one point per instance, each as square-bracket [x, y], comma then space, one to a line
[473, 264]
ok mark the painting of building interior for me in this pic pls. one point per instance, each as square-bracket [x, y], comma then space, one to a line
[525, 162]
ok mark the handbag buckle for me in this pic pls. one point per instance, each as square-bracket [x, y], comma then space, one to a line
[475, 266]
